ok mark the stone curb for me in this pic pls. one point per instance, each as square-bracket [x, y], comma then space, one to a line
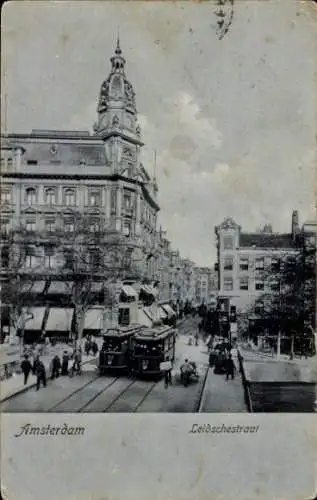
[24, 389]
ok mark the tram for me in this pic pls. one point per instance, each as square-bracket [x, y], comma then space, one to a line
[150, 347]
[115, 354]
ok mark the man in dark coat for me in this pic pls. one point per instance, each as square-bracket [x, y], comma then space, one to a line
[65, 363]
[56, 367]
[26, 368]
[40, 374]
[230, 367]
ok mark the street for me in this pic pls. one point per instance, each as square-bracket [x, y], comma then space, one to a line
[90, 392]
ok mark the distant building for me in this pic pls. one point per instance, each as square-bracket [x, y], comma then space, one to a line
[206, 286]
[245, 258]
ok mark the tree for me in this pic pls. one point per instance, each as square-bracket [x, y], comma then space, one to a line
[18, 277]
[93, 255]
[288, 305]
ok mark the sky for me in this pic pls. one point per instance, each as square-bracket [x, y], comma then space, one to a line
[233, 121]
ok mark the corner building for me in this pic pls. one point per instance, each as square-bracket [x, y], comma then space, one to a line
[49, 175]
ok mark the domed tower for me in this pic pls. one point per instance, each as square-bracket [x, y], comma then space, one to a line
[117, 119]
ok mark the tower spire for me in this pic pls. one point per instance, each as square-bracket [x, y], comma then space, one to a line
[118, 50]
[154, 165]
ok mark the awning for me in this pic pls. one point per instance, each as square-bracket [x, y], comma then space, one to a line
[94, 319]
[38, 287]
[35, 322]
[129, 291]
[163, 314]
[169, 311]
[149, 290]
[59, 287]
[59, 320]
[144, 318]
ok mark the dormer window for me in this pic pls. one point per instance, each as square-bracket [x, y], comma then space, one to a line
[69, 196]
[30, 196]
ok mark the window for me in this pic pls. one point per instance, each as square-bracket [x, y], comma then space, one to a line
[244, 263]
[69, 195]
[69, 226]
[9, 162]
[275, 286]
[259, 284]
[127, 229]
[5, 256]
[30, 196]
[68, 259]
[49, 225]
[95, 198]
[94, 226]
[228, 284]
[124, 316]
[94, 258]
[5, 226]
[32, 162]
[6, 196]
[259, 263]
[228, 242]
[127, 201]
[275, 264]
[244, 283]
[49, 257]
[113, 202]
[228, 264]
[30, 225]
[30, 258]
[259, 308]
[50, 196]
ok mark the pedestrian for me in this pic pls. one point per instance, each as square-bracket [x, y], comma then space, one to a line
[65, 362]
[26, 368]
[35, 363]
[56, 366]
[229, 367]
[40, 374]
[94, 348]
[77, 361]
[168, 373]
[87, 347]
[196, 338]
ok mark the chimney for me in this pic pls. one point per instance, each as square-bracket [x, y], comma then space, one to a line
[295, 224]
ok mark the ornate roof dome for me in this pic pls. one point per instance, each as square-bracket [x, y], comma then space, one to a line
[116, 87]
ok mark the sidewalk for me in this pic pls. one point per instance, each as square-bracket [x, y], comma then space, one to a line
[14, 385]
[260, 367]
[221, 395]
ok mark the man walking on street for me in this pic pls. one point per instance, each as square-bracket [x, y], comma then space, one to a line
[40, 374]
[168, 373]
[26, 368]
[230, 367]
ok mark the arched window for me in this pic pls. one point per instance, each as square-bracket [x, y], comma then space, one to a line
[50, 196]
[69, 195]
[30, 196]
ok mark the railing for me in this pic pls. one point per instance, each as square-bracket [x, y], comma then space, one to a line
[245, 383]
[9, 369]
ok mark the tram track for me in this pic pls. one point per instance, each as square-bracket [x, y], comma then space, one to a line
[73, 393]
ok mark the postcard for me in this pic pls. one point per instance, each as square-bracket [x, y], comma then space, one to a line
[158, 250]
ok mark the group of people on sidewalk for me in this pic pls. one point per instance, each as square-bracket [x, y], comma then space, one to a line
[57, 366]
